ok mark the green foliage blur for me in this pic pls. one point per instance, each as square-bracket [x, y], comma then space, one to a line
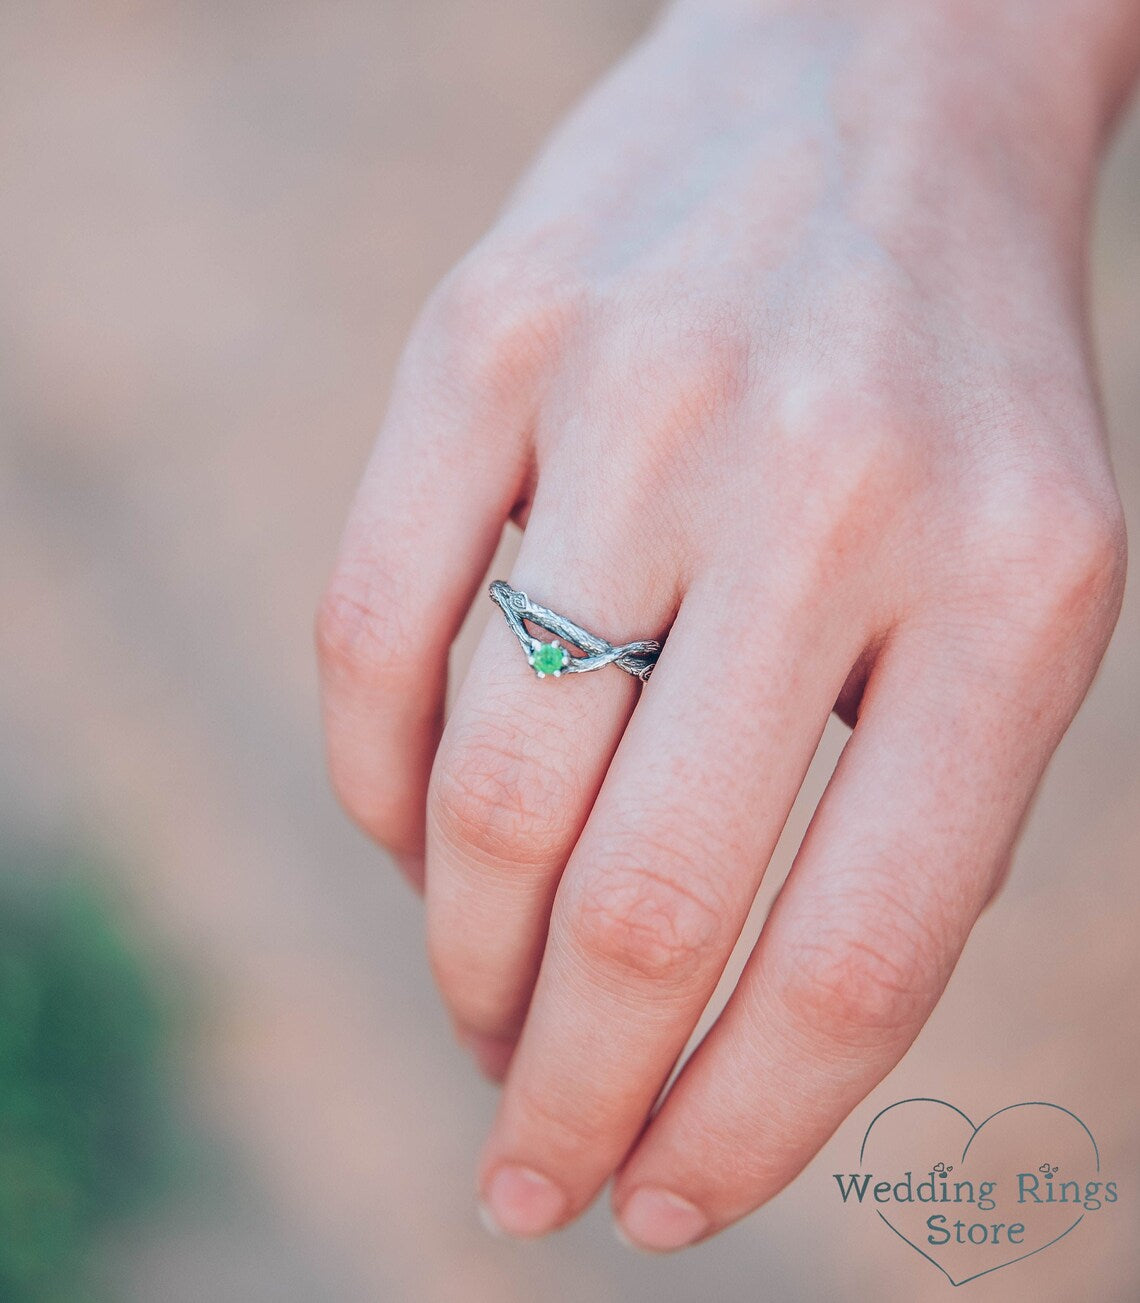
[83, 1120]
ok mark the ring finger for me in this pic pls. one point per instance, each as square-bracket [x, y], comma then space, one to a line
[517, 771]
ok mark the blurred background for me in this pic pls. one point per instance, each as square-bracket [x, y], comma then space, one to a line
[223, 1071]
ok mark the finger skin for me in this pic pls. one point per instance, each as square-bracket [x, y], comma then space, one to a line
[657, 890]
[447, 470]
[915, 829]
[517, 772]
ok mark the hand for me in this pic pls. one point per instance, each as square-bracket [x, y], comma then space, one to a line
[781, 348]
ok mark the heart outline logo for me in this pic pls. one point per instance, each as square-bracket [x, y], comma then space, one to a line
[975, 1130]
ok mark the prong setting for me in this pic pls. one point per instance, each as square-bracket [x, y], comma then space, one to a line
[548, 659]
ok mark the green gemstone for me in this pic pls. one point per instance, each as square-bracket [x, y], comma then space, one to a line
[547, 658]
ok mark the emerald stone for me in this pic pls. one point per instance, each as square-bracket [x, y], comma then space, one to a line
[548, 658]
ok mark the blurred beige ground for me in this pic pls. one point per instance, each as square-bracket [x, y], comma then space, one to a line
[218, 220]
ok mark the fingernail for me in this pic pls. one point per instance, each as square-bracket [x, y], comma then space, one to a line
[519, 1201]
[653, 1218]
[491, 1053]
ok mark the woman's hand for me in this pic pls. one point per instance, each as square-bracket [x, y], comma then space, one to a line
[780, 348]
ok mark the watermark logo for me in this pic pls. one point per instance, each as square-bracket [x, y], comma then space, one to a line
[973, 1198]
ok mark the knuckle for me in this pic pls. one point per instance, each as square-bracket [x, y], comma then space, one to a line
[1059, 551]
[359, 632]
[671, 376]
[847, 462]
[471, 1009]
[637, 922]
[365, 655]
[688, 368]
[492, 797]
[1087, 560]
[863, 978]
[380, 811]
[476, 992]
[493, 320]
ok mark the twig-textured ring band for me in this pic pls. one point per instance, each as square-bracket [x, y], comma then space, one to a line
[553, 658]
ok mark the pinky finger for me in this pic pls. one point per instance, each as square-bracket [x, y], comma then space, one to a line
[446, 472]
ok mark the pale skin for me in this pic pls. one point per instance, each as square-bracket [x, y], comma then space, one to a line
[781, 347]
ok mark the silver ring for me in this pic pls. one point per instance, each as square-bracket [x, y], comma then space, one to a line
[553, 658]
